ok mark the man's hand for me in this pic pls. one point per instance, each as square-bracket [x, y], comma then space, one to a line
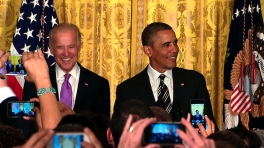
[36, 66]
[94, 142]
[196, 141]
[210, 129]
[64, 109]
[132, 134]
[3, 57]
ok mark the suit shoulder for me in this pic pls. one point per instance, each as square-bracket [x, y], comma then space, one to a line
[93, 75]
[188, 73]
[133, 80]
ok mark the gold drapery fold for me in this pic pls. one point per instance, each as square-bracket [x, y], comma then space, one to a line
[111, 36]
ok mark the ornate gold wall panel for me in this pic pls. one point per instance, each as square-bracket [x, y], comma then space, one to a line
[111, 35]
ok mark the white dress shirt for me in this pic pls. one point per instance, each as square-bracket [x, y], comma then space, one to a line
[155, 81]
[73, 80]
[6, 92]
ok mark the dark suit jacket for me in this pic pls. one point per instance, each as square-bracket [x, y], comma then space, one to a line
[9, 69]
[187, 85]
[18, 69]
[194, 117]
[93, 92]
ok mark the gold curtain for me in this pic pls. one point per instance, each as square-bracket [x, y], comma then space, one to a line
[111, 32]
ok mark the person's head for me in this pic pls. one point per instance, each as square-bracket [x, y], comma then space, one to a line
[197, 112]
[15, 108]
[102, 123]
[229, 139]
[160, 45]
[19, 61]
[10, 137]
[9, 61]
[27, 108]
[136, 108]
[161, 114]
[77, 119]
[65, 45]
[251, 139]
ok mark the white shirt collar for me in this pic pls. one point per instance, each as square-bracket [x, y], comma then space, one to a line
[60, 73]
[154, 74]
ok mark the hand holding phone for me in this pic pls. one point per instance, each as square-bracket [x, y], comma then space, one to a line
[163, 133]
[21, 108]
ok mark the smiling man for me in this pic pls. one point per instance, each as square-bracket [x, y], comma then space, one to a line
[161, 83]
[77, 87]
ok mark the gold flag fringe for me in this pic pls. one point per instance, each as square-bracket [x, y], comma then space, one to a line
[261, 107]
[227, 94]
[244, 118]
[254, 110]
[231, 112]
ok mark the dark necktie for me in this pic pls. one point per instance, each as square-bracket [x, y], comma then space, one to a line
[163, 94]
[66, 91]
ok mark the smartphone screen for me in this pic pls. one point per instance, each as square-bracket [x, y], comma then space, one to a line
[13, 66]
[163, 133]
[60, 140]
[197, 113]
[20, 109]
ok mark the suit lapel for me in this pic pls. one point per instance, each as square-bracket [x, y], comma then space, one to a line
[53, 79]
[82, 86]
[177, 83]
[144, 87]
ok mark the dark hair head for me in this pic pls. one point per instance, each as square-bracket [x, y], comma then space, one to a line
[102, 123]
[149, 34]
[136, 108]
[161, 114]
[10, 137]
[230, 139]
[251, 139]
[72, 120]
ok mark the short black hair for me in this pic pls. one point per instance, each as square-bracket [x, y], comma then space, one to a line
[231, 140]
[75, 120]
[149, 34]
[251, 139]
[136, 108]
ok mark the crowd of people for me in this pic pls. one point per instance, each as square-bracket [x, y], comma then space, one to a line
[73, 99]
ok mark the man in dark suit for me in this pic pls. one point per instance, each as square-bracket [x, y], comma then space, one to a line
[9, 67]
[89, 91]
[197, 116]
[160, 45]
[19, 67]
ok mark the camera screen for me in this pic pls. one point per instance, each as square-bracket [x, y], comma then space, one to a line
[197, 114]
[20, 109]
[13, 66]
[67, 140]
[163, 133]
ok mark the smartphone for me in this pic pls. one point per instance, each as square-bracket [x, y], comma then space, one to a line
[162, 133]
[197, 113]
[13, 66]
[67, 139]
[21, 108]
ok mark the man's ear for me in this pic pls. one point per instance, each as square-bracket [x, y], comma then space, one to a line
[51, 49]
[109, 136]
[147, 50]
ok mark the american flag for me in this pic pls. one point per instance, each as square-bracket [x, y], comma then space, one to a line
[246, 15]
[240, 101]
[35, 20]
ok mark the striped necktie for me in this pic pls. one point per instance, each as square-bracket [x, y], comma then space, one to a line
[163, 94]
